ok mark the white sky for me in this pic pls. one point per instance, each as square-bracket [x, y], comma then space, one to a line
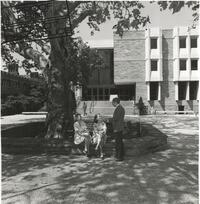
[163, 19]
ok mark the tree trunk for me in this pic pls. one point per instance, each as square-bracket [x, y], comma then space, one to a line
[59, 105]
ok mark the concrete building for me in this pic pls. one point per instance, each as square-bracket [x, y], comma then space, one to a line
[161, 66]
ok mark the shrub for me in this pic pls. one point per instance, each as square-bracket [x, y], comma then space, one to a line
[141, 107]
[18, 104]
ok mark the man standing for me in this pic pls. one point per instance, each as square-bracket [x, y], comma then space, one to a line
[118, 126]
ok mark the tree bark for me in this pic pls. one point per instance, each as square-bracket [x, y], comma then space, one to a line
[59, 105]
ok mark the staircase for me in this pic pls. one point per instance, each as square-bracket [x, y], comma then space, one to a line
[104, 107]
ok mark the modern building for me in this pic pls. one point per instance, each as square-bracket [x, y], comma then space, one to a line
[159, 65]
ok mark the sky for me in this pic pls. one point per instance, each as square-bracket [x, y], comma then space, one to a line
[104, 37]
[164, 19]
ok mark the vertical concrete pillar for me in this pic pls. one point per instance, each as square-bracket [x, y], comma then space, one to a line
[176, 54]
[188, 46]
[147, 55]
[188, 91]
[176, 90]
[148, 91]
[160, 66]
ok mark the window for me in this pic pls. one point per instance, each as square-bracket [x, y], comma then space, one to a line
[154, 65]
[182, 42]
[154, 90]
[154, 43]
[182, 89]
[107, 94]
[194, 64]
[193, 41]
[182, 64]
[89, 94]
[193, 90]
[100, 94]
[94, 94]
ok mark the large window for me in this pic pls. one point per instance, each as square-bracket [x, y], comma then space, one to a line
[182, 90]
[154, 43]
[193, 90]
[194, 64]
[154, 65]
[154, 90]
[182, 42]
[193, 41]
[183, 64]
[101, 95]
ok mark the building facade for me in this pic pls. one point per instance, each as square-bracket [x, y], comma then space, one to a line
[162, 66]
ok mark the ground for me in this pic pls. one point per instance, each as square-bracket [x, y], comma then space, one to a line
[170, 176]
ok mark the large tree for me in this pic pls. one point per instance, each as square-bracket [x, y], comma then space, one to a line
[62, 54]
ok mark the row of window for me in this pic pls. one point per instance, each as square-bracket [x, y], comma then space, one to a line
[182, 64]
[103, 94]
[182, 90]
[182, 42]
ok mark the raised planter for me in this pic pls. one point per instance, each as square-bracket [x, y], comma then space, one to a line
[28, 138]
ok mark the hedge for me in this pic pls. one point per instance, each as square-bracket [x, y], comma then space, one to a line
[19, 104]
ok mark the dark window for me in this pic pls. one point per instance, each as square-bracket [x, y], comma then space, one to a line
[193, 90]
[182, 42]
[194, 64]
[154, 65]
[193, 41]
[183, 64]
[182, 87]
[94, 94]
[106, 94]
[154, 43]
[100, 94]
[89, 94]
[153, 91]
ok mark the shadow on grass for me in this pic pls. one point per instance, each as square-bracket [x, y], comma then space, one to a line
[169, 176]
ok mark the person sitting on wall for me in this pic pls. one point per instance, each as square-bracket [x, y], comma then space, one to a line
[81, 134]
[99, 134]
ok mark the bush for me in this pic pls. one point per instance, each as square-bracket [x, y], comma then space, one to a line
[18, 104]
[141, 107]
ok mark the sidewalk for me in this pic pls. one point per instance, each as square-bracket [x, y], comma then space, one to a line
[166, 177]
[13, 120]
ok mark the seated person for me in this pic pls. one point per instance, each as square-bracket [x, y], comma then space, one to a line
[81, 133]
[99, 133]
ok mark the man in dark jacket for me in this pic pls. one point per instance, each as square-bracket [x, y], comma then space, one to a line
[118, 126]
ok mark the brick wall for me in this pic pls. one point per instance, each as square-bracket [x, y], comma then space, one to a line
[129, 57]
[129, 67]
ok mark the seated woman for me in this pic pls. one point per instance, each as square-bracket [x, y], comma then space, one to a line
[99, 133]
[81, 133]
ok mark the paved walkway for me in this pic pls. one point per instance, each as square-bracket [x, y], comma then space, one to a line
[13, 120]
[167, 177]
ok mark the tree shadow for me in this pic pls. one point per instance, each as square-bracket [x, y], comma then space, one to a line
[169, 176]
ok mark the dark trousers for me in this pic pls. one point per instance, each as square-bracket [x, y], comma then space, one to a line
[119, 145]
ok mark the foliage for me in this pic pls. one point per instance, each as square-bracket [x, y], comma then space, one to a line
[33, 101]
[176, 6]
[18, 104]
[141, 107]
